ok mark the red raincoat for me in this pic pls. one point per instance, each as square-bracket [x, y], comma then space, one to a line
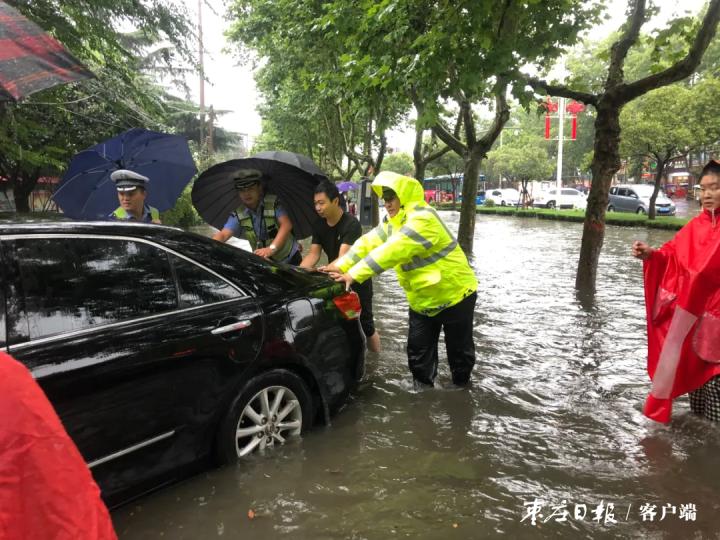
[46, 489]
[682, 299]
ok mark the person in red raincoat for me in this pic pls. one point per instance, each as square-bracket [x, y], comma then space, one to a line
[46, 489]
[682, 301]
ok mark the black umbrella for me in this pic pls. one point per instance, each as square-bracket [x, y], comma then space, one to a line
[292, 177]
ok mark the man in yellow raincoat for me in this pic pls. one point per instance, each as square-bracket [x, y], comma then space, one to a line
[441, 286]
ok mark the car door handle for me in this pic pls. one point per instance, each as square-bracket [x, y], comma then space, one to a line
[230, 327]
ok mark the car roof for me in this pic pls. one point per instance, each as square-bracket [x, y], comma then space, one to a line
[48, 226]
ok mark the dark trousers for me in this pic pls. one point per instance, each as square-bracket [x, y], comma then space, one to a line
[423, 335]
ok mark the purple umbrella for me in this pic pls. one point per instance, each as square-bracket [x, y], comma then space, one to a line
[346, 186]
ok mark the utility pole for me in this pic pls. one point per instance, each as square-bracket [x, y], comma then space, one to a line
[561, 121]
[202, 76]
[211, 131]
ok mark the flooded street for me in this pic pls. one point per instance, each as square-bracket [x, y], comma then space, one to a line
[553, 417]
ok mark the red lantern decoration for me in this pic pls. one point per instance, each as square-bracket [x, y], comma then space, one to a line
[574, 108]
[551, 107]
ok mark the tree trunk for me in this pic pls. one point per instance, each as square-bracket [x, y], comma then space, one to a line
[605, 163]
[418, 158]
[466, 231]
[21, 193]
[659, 173]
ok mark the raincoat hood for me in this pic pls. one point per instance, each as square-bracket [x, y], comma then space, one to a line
[407, 189]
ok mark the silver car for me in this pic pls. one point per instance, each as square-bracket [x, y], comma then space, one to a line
[636, 198]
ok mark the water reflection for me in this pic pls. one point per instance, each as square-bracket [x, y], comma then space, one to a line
[554, 413]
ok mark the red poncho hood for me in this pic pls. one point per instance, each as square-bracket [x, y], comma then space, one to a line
[682, 299]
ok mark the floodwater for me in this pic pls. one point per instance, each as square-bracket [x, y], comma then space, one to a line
[552, 421]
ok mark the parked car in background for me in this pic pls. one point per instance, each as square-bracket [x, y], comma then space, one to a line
[479, 198]
[636, 198]
[569, 198]
[503, 197]
[161, 349]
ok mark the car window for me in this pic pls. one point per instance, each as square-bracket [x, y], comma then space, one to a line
[197, 286]
[571, 192]
[623, 192]
[613, 190]
[67, 284]
[496, 193]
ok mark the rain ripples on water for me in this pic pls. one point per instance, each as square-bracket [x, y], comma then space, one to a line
[553, 415]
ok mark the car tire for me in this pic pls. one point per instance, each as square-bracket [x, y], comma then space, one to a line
[551, 204]
[283, 392]
[640, 210]
[502, 203]
[611, 208]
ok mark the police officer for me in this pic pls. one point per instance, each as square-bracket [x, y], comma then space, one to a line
[132, 191]
[441, 286]
[261, 220]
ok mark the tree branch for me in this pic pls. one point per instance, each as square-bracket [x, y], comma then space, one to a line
[432, 157]
[682, 68]
[451, 139]
[502, 114]
[468, 122]
[562, 91]
[620, 48]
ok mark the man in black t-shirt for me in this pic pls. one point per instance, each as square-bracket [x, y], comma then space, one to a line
[334, 233]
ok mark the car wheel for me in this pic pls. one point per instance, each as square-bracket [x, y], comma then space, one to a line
[640, 210]
[551, 204]
[270, 408]
[611, 208]
[502, 203]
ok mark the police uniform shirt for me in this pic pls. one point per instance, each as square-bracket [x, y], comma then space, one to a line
[146, 217]
[256, 216]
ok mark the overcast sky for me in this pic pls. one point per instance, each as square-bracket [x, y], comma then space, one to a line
[232, 87]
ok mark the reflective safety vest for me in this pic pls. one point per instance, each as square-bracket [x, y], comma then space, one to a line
[123, 215]
[429, 263]
[271, 226]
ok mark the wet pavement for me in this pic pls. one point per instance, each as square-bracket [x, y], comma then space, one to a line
[552, 419]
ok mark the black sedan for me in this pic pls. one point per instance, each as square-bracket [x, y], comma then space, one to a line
[160, 348]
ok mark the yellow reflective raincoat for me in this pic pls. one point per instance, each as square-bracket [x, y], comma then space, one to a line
[429, 263]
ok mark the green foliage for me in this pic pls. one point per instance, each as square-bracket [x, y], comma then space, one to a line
[183, 214]
[671, 121]
[522, 158]
[308, 106]
[449, 163]
[41, 134]
[399, 162]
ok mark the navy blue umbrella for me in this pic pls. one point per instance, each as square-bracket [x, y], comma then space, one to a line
[86, 191]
